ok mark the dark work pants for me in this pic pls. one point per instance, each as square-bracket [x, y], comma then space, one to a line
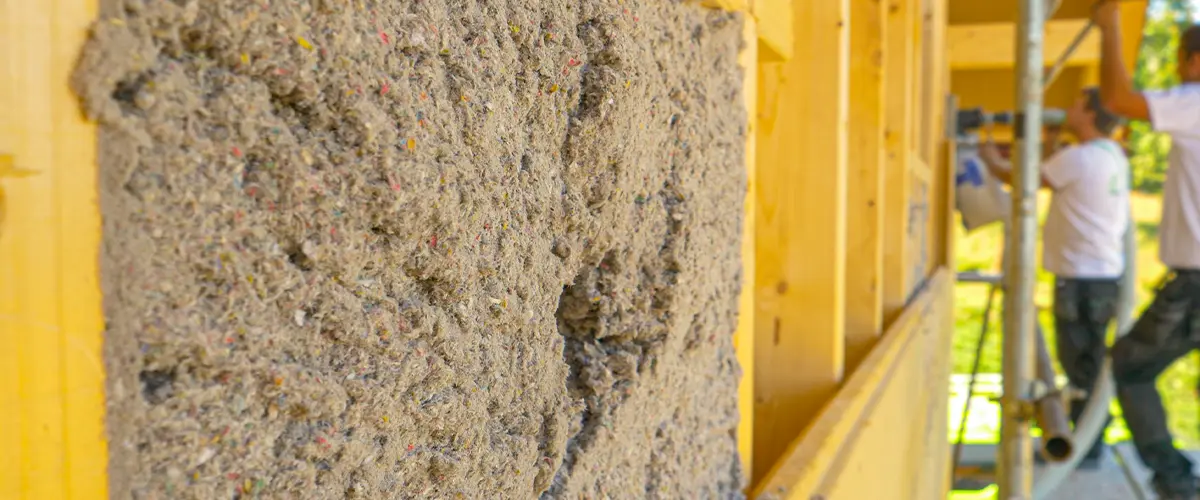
[1167, 330]
[1083, 308]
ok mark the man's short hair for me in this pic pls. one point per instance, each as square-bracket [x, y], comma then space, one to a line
[1106, 121]
[1190, 40]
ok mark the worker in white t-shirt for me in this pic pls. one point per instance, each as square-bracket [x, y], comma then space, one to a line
[1082, 240]
[1170, 327]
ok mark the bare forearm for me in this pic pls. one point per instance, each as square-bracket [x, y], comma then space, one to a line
[1001, 170]
[1115, 83]
[1116, 87]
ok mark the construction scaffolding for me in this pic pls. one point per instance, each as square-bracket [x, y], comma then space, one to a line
[1016, 450]
[1029, 392]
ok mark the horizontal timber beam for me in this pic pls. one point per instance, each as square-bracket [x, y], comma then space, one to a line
[821, 462]
[990, 46]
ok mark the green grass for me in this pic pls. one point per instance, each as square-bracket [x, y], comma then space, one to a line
[980, 251]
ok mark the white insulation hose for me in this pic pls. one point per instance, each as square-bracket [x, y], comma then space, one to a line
[1095, 414]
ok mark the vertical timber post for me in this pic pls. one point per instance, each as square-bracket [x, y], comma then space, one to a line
[1016, 449]
[898, 131]
[802, 134]
[51, 320]
[866, 180]
[743, 339]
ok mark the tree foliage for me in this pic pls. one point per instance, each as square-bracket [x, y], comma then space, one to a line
[1165, 21]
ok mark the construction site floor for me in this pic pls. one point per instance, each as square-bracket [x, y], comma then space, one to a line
[983, 430]
[1107, 482]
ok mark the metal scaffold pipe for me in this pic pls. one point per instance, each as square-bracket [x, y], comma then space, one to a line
[1061, 63]
[1016, 450]
[1057, 441]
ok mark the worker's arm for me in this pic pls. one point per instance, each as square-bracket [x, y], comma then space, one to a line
[1116, 87]
[1001, 168]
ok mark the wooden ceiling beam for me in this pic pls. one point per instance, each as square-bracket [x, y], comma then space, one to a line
[991, 45]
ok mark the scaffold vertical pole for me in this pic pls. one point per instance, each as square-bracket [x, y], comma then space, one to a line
[1016, 447]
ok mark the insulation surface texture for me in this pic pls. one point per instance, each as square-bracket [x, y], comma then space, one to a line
[419, 249]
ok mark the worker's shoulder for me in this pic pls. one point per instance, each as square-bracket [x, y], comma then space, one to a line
[1071, 153]
[1108, 148]
[1093, 154]
[1179, 98]
[1184, 88]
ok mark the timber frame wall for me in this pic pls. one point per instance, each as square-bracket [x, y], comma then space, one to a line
[846, 324]
[846, 306]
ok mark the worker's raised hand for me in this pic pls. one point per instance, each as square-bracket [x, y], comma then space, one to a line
[989, 153]
[1051, 141]
[1106, 15]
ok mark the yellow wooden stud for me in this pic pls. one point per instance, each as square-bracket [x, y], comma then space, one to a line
[744, 337]
[898, 120]
[942, 209]
[933, 91]
[51, 370]
[933, 133]
[8, 170]
[865, 190]
[917, 32]
[801, 228]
